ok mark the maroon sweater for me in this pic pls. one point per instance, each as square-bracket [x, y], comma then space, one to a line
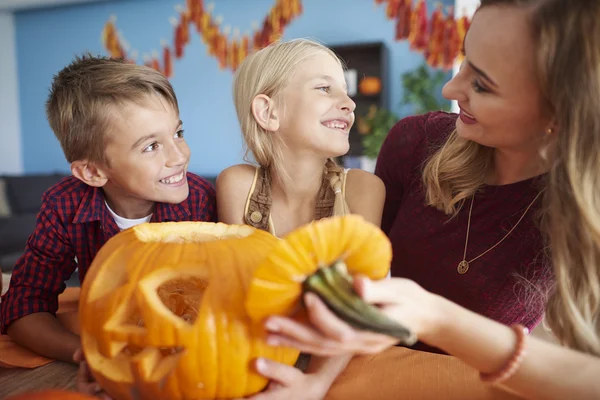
[428, 245]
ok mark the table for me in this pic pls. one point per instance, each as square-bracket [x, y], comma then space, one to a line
[58, 375]
[397, 373]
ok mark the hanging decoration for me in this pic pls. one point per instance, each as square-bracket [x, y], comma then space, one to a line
[229, 48]
[439, 37]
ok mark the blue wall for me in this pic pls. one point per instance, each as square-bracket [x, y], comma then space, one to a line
[47, 39]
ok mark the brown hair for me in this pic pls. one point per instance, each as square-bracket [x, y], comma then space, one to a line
[82, 96]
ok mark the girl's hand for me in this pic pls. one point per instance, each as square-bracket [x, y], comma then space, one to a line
[85, 381]
[401, 299]
[288, 382]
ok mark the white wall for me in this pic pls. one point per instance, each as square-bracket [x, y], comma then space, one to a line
[11, 150]
[467, 7]
[11, 160]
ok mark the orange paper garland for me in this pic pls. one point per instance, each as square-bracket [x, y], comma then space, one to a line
[228, 52]
[438, 37]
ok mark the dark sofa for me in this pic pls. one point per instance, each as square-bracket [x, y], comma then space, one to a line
[23, 195]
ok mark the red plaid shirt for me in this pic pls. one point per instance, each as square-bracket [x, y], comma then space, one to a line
[72, 225]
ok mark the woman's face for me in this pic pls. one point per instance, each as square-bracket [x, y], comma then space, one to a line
[501, 105]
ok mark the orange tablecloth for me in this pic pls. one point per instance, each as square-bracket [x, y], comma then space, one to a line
[13, 355]
[400, 373]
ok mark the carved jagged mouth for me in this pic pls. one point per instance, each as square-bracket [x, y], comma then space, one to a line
[151, 364]
[132, 350]
[181, 296]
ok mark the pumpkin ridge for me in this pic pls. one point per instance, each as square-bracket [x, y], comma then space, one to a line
[317, 244]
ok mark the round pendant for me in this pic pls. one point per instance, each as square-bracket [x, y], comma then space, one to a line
[463, 267]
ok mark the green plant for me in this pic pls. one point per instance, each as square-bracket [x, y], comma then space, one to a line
[374, 127]
[422, 90]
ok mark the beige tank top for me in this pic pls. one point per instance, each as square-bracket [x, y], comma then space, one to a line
[258, 203]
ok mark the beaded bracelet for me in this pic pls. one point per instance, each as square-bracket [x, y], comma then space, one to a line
[515, 360]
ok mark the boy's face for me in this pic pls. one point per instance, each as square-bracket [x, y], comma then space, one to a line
[148, 158]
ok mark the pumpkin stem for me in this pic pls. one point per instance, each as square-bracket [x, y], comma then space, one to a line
[333, 285]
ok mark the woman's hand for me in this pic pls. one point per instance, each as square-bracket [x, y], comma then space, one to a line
[400, 299]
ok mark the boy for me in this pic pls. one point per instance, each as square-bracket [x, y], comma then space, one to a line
[119, 128]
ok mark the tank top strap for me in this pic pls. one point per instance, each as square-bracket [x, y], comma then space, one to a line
[325, 200]
[258, 202]
[344, 182]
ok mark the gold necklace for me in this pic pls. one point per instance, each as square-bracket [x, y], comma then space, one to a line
[463, 266]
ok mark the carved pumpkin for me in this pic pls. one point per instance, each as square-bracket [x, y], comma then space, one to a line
[162, 312]
[321, 257]
[370, 86]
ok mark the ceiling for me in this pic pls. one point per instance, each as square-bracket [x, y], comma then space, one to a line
[17, 5]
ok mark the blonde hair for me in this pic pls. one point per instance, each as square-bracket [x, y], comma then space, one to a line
[567, 38]
[567, 35]
[78, 106]
[268, 71]
[455, 172]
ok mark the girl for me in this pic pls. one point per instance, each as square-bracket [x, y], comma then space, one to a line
[295, 116]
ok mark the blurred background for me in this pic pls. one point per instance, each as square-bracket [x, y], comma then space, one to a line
[39, 37]
[398, 53]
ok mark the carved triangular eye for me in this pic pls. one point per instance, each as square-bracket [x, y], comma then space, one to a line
[124, 325]
[127, 316]
[154, 303]
[183, 296]
[151, 364]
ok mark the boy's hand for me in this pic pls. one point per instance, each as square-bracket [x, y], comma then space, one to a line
[85, 381]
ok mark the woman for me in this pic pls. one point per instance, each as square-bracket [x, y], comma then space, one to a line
[463, 192]
[564, 38]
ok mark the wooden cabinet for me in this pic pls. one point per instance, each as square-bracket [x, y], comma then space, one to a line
[364, 60]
